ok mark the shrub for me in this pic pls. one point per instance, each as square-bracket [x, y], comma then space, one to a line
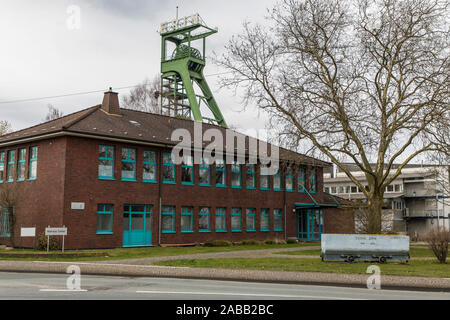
[268, 241]
[291, 241]
[42, 243]
[438, 243]
[218, 243]
[250, 242]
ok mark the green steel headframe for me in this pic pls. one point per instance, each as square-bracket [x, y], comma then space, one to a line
[184, 66]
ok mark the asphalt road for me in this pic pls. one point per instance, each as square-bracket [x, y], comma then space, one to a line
[32, 286]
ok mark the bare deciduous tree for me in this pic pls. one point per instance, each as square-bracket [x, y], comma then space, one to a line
[361, 81]
[5, 127]
[53, 113]
[10, 194]
[144, 97]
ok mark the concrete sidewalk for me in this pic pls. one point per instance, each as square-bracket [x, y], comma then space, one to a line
[313, 278]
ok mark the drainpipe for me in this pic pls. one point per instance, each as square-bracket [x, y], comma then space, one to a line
[160, 183]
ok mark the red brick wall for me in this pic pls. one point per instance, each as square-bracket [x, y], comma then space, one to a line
[41, 201]
[68, 172]
[339, 220]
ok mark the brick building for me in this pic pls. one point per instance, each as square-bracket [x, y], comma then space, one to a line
[106, 174]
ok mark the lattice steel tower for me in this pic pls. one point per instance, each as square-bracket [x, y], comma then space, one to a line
[183, 67]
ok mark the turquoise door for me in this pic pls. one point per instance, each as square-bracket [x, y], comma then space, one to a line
[137, 226]
[310, 224]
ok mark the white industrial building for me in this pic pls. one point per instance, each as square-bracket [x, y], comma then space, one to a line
[416, 201]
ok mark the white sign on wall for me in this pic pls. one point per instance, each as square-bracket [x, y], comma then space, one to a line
[77, 205]
[27, 232]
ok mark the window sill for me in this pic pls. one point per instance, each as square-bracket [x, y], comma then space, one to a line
[150, 181]
[278, 230]
[251, 230]
[220, 186]
[106, 179]
[204, 231]
[187, 184]
[221, 231]
[251, 188]
[239, 188]
[104, 233]
[129, 180]
[265, 230]
[168, 232]
[204, 185]
[169, 182]
[236, 231]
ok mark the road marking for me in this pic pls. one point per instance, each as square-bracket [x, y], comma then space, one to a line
[246, 294]
[61, 290]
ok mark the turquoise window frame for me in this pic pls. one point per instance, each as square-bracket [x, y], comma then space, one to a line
[168, 211]
[2, 166]
[251, 171]
[150, 163]
[105, 212]
[221, 212]
[203, 213]
[187, 212]
[21, 161]
[33, 159]
[10, 164]
[277, 213]
[250, 212]
[235, 165]
[106, 158]
[205, 167]
[236, 212]
[224, 172]
[188, 164]
[128, 160]
[4, 231]
[289, 176]
[275, 176]
[313, 181]
[266, 214]
[169, 164]
[301, 180]
[266, 177]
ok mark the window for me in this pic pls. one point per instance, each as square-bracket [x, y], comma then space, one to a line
[168, 169]
[301, 180]
[236, 175]
[264, 222]
[250, 177]
[204, 220]
[4, 223]
[333, 190]
[354, 189]
[187, 223]
[128, 164]
[277, 220]
[10, 168]
[250, 220]
[277, 181]
[327, 189]
[21, 165]
[106, 163]
[390, 188]
[168, 219]
[32, 174]
[187, 171]
[312, 181]
[2, 166]
[221, 225]
[150, 165]
[205, 172]
[289, 180]
[221, 174]
[104, 218]
[236, 220]
[264, 177]
[398, 188]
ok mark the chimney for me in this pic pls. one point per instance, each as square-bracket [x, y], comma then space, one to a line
[111, 102]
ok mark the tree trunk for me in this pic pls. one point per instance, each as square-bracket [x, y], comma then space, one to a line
[374, 207]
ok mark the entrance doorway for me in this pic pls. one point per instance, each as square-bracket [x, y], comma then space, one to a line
[310, 224]
[137, 226]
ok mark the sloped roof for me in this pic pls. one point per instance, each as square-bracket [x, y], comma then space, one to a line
[136, 126]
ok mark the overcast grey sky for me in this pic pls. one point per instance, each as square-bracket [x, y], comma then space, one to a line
[116, 46]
